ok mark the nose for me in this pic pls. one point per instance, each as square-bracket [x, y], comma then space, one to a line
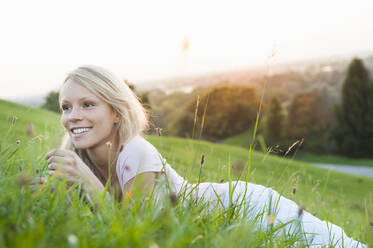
[75, 114]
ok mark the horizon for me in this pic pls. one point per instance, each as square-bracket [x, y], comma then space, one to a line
[140, 84]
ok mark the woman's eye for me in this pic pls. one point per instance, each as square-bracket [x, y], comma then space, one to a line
[64, 107]
[88, 104]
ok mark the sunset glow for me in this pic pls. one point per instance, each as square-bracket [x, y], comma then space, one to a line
[144, 40]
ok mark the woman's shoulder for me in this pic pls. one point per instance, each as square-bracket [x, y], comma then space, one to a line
[139, 151]
[137, 145]
[137, 156]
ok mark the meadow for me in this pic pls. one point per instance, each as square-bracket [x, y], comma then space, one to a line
[244, 140]
[53, 215]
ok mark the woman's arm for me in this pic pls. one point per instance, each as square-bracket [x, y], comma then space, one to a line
[141, 183]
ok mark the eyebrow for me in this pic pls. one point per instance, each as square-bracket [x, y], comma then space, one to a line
[81, 99]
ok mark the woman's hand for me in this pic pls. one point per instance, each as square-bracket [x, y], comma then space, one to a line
[67, 164]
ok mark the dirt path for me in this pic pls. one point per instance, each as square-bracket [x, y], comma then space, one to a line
[349, 169]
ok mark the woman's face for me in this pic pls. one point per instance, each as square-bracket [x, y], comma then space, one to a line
[88, 119]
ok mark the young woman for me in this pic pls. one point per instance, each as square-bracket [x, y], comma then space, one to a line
[105, 120]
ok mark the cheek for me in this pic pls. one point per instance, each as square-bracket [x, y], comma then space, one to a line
[63, 120]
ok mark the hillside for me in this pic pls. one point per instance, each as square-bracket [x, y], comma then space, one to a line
[342, 199]
[44, 122]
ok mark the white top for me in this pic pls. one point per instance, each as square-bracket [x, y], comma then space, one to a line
[139, 156]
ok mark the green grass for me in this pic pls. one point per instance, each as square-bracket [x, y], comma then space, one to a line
[243, 139]
[333, 159]
[53, 216]
[44, 122]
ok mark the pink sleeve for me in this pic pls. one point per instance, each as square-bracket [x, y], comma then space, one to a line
[130, 165]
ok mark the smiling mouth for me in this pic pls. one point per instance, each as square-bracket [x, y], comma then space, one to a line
[76, 132]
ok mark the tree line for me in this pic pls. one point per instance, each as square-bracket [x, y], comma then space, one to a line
[223, 110]
[345, 128]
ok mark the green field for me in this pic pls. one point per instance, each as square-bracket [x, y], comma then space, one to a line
[44, 217]
[333, 159]
[244, 140]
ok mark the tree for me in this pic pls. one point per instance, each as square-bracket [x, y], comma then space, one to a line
[144, 96]
[274, 122]
[51, 102]
[223, 111]
[353, 132]
[308, 115]
[310, 118]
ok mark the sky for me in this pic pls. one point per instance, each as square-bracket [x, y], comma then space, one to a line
[40, 41]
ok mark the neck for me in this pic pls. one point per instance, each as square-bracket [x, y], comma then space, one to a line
[104, 157]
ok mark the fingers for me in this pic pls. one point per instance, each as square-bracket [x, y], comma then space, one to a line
[61, 157]
[54, 162]
[55, 167]
[59, 152]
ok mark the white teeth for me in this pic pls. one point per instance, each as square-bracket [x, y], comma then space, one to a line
[80, 130]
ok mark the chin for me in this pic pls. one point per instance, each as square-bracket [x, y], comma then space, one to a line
[80, 145]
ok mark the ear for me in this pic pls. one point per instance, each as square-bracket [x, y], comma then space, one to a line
[116, 117]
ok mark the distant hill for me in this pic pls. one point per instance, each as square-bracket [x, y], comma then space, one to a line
[31, 101]
[333, 69]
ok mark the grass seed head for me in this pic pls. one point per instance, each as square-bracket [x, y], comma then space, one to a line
[173, 198]
[300, 211]
[23, 179]
[14, 120]
[158, 130]
[30, 129]
[202, 160]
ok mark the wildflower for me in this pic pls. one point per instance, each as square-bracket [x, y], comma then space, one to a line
[129, 194]
[20, 168]
[202, 159]
[14, 120]
[294, 190]
[270, 219]
[30, 129]
[72, 239]
[18, 142]
[153, 245]
[109, 144]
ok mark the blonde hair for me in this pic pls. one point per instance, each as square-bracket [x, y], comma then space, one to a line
[117, 94]
[105, 85]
